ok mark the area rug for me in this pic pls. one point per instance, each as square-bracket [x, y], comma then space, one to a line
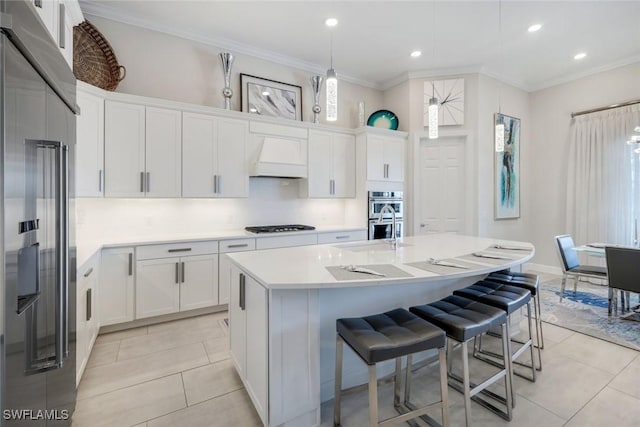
[586, 312]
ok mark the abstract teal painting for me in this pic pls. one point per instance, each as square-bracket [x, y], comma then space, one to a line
[507, 166]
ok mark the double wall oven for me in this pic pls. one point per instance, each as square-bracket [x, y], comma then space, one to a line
[377, 200]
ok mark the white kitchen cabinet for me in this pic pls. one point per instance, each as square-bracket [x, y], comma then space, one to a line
[332, 165]
[342, 236]
[214, 156]
[385, 158]
[65, 31]
[117, 289]
[48, 10]
[142, 151]
[90, 145]
[248, 338]
[176, 277]
[87, 324]
[288, 241]
[224, 275]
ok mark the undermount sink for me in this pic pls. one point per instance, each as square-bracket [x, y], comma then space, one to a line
[382, 246]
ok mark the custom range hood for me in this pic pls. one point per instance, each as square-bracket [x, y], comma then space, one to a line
[283, 158]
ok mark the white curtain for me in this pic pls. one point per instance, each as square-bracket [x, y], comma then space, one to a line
[603, 177]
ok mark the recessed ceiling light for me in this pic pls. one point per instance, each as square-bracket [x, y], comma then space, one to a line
[265, 93]
[580, 55]
[534, 28]
[331, 22]
[415, 53]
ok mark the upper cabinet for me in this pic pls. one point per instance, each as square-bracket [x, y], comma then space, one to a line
[142, 151]
[385, 157]
[90, 145]
[60, 16]
[214, 162]
[332, 165]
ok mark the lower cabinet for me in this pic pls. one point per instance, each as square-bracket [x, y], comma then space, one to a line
[117, 289]
[86, 316]
[248, 337]
[224, 275]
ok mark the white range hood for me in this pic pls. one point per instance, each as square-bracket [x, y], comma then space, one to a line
[279, 157]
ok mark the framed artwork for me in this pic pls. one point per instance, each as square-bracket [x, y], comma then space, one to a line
[270, 98]
[450, 95]
[507, 166]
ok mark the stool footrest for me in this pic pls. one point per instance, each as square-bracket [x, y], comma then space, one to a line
[410, 408]
[483, 402]
[480, 356]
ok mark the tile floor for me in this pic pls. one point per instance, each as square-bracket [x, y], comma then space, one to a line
[179, 373]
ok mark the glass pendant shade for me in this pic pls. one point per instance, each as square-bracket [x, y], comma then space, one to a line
[499, 138]
[332, 95]
[433, 118]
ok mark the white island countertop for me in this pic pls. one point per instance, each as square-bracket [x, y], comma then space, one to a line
[305, 267]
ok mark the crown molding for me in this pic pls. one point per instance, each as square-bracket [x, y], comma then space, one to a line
[101, 10]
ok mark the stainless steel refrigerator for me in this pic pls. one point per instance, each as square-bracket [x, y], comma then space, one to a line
[37, 302]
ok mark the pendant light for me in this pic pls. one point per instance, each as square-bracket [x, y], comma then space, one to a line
[433, 102]
[499, 130]
[332, 82]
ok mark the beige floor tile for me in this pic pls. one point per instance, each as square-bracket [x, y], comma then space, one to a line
[564, 385]
[103, 379]
[555, 333]
[628, 381]
[609, 408]
[131, 405]
[217, 349]
[205, 321]
[231, 410]
[152, 343]
[210, 381]
[117, 336]
[597, 353]
[103, 354]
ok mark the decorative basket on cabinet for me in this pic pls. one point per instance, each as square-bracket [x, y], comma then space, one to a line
[94, 61]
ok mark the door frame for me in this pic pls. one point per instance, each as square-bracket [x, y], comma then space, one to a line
[471, 192]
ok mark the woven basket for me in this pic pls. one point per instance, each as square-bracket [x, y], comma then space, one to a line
[93, 59]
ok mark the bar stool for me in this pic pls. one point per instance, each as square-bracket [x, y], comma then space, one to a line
[386, 336]
[463, 320]
[530, 282]
[507, 298]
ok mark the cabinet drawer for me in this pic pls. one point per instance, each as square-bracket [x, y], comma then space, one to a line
[286, 241]
[176, 249]
[343, 236]
[237, 245]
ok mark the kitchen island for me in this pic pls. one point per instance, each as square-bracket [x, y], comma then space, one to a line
[284, 304]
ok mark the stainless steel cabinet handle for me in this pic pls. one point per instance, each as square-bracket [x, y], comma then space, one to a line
[88, 273]
[37, 3]
[148, 181]
[242, 291]
[183, 272]
[219, 184]
[179, 250]
[142, 182]
[89, 307]
[342, 237]
[131, 264]
[61, 28]
[100, 181]
[215, 184]
[177, 273]
[243, 245]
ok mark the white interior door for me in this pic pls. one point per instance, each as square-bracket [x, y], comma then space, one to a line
[442, 186]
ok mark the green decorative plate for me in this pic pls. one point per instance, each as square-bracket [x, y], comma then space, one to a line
[383, 119]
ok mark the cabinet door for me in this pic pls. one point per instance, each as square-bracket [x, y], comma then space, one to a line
[47, 9]
[90, 146]
[257, 350]
[233, 168]
[394, 158]
[124, 136]
[224, 280]
[375, 158]
[199, 155]
[344, 165]
[199, 281]
[81, 329]
[157, 287]
[116, 286]
[65, 32]
[237, 323]
[163, 164]
[320, 164]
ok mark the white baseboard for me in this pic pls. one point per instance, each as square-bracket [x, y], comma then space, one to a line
[543, 268]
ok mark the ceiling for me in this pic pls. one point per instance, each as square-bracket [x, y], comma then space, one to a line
[373, 39]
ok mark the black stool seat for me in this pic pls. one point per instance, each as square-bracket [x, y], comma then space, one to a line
[461, 318]
[527, 281]
[389, 335]
[505, 297]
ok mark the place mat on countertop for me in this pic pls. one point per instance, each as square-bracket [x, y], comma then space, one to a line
[482, 260]
[443, 269]
[390, 272]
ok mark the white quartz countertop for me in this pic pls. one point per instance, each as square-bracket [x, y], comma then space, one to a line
[86, 247]
[305, 267]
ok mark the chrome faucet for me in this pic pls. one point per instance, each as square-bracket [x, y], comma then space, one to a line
[388, 207]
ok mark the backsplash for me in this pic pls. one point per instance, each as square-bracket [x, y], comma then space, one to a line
[270, 201]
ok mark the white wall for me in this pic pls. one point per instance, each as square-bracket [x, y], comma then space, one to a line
[551, 110]
[164, 66]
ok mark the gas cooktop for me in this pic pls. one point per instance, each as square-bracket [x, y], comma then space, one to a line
[279, 228]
